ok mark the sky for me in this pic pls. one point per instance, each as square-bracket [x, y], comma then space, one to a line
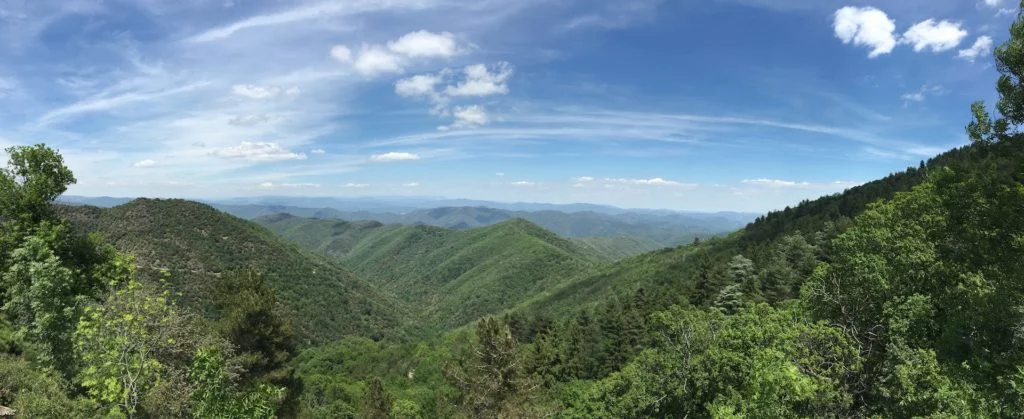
[705, 105]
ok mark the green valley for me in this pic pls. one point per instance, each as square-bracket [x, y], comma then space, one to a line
[450, 277]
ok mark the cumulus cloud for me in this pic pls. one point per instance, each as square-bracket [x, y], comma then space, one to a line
[992, 3]
[982, 46]
[425, 44]
[374, 60]
[472, 116]
[341, 53]
[394, 156]
[523, 183]
[392, 58]
[423, 85]
[481, 81]
[583, 179]
[865, 26]
[258, 152]
[145, 163]
[935, 36]
[253, 91]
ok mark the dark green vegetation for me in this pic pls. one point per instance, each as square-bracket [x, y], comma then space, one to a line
[196, 243]
[449, 277]
[900, 298]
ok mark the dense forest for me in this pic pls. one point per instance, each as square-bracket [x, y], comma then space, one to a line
[902, 297]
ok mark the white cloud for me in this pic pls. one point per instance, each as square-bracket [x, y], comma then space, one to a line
[649, 182]
[258, 152]
[272, 185]
[1006, 12]
[411, 184]
[145, 163]
[318, 151]
[480, 81]
[341, 53]
[982, 46]
[425, 44]
[936, 36]
[472, 116]
[523, 183]
[394, 156]
[253, 91]
[922, 94]
[356, 185]
[913, 97]
[866, 26]
[992, 3]
[418, 85]
[500, 174]
[775, 183]
[305, 12]
[582, 179]
[374, 60]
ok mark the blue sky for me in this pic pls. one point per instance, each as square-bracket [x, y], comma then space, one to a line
[689, 104]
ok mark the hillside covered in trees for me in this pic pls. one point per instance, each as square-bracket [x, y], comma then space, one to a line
[450, 277]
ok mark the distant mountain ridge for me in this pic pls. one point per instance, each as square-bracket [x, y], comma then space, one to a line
[449, 276]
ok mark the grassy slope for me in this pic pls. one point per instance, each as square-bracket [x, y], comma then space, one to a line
[196, 242]
[451, 277]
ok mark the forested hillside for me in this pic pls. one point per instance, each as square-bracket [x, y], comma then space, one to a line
[195, 243]
[449, 277]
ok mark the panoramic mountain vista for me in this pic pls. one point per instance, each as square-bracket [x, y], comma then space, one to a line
[512, 209]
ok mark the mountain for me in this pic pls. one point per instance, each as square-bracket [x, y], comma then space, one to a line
[448, 276]
[685, 270]
[195, 242]
[656, 230]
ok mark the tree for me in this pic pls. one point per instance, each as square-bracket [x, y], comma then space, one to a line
[118, 343]
[377, 401]
[216, 396]
[34, 177]
[492, 379]
[263, 341]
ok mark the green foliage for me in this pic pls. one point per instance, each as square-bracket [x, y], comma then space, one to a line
[377, 401]
[34, 177]
[216, 396]
[197, 244]
[491, 376]
[32, 392]
[761, 362]
[118, 343]
[263, 343]
[449, 277]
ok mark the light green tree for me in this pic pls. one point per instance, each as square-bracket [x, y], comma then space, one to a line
[118, 343]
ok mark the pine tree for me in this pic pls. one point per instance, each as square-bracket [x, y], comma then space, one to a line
[377, 401]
